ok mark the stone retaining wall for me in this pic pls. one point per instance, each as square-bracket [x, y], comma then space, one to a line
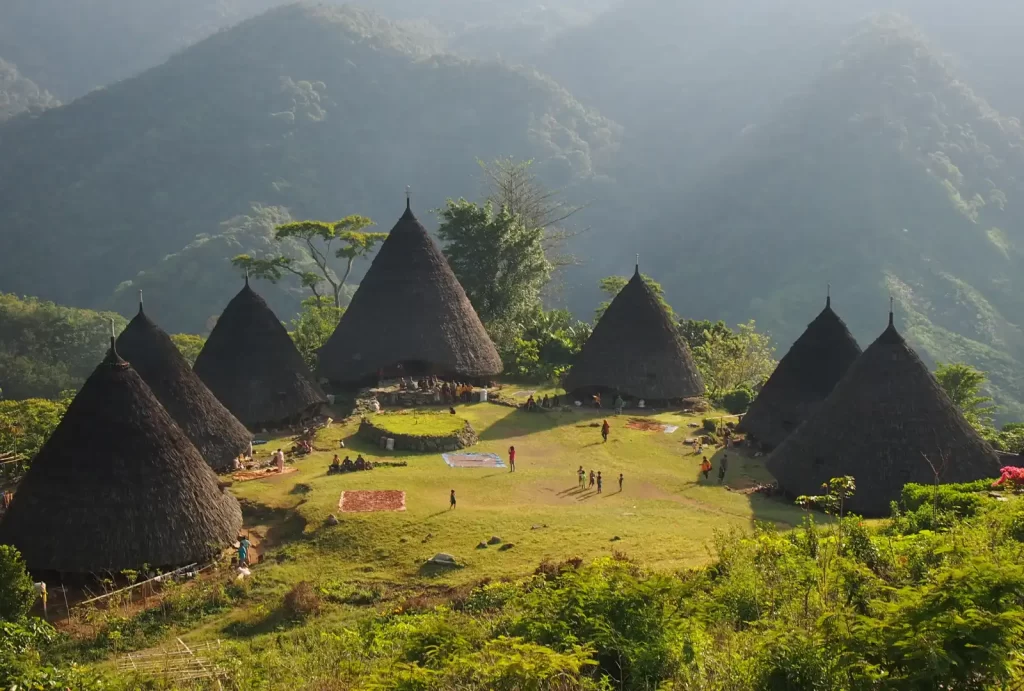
[461, 439]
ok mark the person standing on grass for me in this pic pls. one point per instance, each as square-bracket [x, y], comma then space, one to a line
[620, 481]
[592, 478]
[605, 429]
[724, 466]
[581, 475]
[452, 500]
[243, 551]
[705, 467]
[599, 483]
[512, 459]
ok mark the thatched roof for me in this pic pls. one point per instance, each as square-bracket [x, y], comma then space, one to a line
[803, 378]
[636, 350]
[250, 363]
[117, 486]
[218, 435]
[886, 423]
[409, 308]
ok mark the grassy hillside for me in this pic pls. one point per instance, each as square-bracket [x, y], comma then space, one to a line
[689, 576]
[324, 112]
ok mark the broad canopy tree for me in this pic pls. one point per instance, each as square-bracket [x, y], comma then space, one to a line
[323, 242]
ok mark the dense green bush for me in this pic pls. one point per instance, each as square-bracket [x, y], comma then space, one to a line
[738, 400]
[16, 590]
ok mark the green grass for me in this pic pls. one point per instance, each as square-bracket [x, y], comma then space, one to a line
[665, 516]
[422, 423]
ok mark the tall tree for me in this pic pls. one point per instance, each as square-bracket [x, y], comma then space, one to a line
[513, 185]
[963, 384]
[322, 242]
[728, 360]
[498, 259]
[314, 325]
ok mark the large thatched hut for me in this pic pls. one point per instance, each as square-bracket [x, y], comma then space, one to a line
[218, 434]
[118, 486]
[251, 365]
[804, 377]
[887, 422]
[636, 351]
[410, 316]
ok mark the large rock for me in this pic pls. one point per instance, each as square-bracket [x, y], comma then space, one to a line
[443, 559]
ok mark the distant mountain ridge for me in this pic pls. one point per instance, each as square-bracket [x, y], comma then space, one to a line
[888, 176]
[318, 110]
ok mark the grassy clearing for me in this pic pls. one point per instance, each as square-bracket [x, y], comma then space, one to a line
[664, 517]
[419, 423]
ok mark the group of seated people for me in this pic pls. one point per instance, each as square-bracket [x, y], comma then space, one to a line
[302, 447]
[545, 403]
[428, 383]
[348, 465]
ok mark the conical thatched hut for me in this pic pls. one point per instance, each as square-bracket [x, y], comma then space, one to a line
[218, 435]
[802, 380]
[409, 316]
[118, 486]
[636, 351]
[251, 365]
[887, 422]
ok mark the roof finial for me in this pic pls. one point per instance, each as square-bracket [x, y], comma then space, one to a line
[891, 301]
[113, 338]
[408, 198]
[638, 263]
[247, 275]
[828, 295]
[140, 300]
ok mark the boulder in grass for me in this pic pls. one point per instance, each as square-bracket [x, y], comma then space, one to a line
[332, 520]
[495, 540]
[482, 545]
[505, 547]
[442, 559]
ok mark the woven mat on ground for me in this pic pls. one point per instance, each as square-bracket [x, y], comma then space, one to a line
[473, 460]
[246, 475]
[363, 500]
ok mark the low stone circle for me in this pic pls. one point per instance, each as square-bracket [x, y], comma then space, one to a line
[461, 439]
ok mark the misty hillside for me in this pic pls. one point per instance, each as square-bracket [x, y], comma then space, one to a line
[72, 48]
[323, 111]
[887, 176]
[18, 94]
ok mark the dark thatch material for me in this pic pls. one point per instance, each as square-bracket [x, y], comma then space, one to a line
[883, 423]
[637, 351]
[409, 310]
[251, 365]
[117, 486]
[802, 380]
[218, 435]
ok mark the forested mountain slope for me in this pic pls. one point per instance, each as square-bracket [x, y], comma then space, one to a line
[18, 94]
[886, 176]
[322, 111]
[73, 46]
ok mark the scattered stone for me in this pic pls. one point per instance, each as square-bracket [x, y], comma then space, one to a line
[332, 520]
[495, 540]
[482, 545]
[616, 538]
[442, 559]
[403, 539]
[538, 527]
[429, 535]
[506, 547]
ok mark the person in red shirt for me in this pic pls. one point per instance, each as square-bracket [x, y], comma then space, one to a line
[512, 459]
